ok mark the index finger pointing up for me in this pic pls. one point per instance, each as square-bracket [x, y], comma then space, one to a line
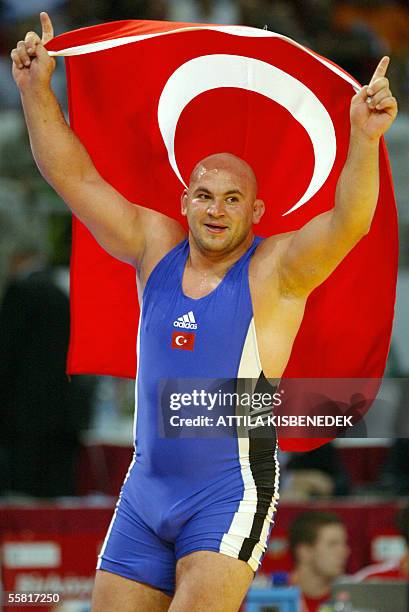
[380, 69]
[47, 26]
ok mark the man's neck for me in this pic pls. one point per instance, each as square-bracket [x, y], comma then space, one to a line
[215, 263]
[310, 583]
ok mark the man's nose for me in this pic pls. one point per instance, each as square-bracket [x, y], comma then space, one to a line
[216, 207]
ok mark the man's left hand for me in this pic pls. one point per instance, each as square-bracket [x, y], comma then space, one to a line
[373, 108]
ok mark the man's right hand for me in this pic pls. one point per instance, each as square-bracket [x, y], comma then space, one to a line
[32, 66]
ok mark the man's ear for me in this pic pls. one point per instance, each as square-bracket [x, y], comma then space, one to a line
[258, 210]
[183, 203]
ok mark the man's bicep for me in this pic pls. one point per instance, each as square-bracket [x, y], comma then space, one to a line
[116, 224]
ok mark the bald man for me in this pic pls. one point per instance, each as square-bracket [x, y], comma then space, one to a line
[194, 515]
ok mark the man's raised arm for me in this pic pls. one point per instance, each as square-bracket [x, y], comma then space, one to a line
[314, 251]
[119, 226]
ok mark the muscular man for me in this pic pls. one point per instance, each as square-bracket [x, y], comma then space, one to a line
[193, 517]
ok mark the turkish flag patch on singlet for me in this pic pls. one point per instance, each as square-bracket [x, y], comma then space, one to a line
[183, 340]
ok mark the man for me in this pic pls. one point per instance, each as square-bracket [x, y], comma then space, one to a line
[194, 515]
[318, 544]
[317, 473]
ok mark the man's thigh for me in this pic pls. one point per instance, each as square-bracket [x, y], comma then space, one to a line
[113, 592]
[207, 580]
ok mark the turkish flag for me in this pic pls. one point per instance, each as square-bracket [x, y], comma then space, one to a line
[184, 341]
[149, 99]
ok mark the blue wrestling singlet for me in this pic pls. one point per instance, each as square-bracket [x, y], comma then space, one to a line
[184, 494]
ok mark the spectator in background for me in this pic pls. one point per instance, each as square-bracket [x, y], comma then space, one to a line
[41, 412]
[318, 473]
[395, 569]
[318, 545]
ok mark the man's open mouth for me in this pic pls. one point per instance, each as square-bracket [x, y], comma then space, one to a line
[215, 228]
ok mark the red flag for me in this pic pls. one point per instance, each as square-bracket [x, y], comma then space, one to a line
[149, 99]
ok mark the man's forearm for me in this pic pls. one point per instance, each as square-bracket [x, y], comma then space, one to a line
[59, 154]
[358, 185]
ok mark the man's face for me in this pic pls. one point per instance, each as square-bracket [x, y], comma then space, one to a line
[329, 554]
[221, 206]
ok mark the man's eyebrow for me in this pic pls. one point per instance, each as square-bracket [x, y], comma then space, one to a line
[205, 190]
[201, 189]
[233, 191]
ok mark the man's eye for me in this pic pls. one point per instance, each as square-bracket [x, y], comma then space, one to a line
[232, 199]
[203, 196]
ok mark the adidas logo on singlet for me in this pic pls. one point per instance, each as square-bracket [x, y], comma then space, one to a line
[186, 321]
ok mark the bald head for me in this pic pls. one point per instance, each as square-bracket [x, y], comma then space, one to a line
[227, 162]
[221, 202]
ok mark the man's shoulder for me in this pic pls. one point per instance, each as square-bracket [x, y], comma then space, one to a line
[153, 219]
[267, 254]
[275, 244]
[163, 235]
